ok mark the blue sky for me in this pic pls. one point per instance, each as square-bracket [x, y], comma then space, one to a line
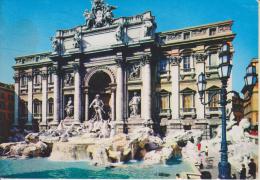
[27, 25]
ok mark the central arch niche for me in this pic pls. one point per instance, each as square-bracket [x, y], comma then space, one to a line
[99, 83]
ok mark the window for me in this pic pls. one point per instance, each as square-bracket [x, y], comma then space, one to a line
[213, 59]
[186, 35]
[36, 107]
[163, 67]
[37, 79]
[50, 78]
[215, 99]
[50, 107]
[186, 64]
[164, 102]
[187, 101]
[24, 81]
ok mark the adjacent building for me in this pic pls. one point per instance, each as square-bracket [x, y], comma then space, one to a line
[122, 59]
[6, 109]
[251, 106]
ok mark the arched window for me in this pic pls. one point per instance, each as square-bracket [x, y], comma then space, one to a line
[50, 107]
[37, 107]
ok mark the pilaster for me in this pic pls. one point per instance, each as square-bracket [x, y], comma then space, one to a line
[200, 67]
[56, 92]
[44, 75]
[146, 111]
[30, 99]
[86, 104]
[119, 88]
[16, 99]
[175, 79]
[77, 91]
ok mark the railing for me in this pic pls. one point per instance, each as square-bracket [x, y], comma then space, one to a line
[37, 115]
[50, 115]
[188, 112]
[165, 112]
[187, 71]
[213, 111]
[212, 69]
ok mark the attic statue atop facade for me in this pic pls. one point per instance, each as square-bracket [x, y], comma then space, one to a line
[100, 15]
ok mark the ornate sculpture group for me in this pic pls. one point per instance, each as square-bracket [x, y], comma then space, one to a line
[100, 15]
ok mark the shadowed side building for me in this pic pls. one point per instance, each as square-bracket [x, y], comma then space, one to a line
[251, 107]
[6, 109]
[123, 59]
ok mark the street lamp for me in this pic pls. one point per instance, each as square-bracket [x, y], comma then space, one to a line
[224, 72]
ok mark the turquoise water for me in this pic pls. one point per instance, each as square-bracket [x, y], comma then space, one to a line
[43, 168]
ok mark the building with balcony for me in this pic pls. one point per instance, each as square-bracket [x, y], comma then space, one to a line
[122, 58]
[6, 110]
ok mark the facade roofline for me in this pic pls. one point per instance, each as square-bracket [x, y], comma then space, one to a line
[196, 27]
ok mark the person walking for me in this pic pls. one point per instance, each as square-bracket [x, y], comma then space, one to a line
[207, 151]
[242, 173]
[252, 169]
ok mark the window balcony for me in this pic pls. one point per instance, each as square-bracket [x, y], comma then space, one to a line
[24, 87]
[213, 112]
[50, 115]
[37, 115]
[165, 112]
[212, 69]
[187, 72]
[188, 112]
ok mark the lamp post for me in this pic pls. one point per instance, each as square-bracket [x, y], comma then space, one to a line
[224, 71]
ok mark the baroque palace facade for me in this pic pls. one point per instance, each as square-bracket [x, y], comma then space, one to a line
[142, 76]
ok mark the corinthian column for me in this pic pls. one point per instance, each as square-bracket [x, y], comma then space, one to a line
[30, 100]
[44, 97]
[175, 74]
[146, 93]
[119, 90]
[56, 99]
[16, 99]
[77, 94]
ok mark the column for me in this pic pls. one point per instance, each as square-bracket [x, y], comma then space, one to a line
[77, 93]
[119, 91]
[30, 100]
[200, 68]
[44, 97]
[16, 100]
[113, 104]
[175, 75]
[86, 104]
[146, 94]
[56, 99]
